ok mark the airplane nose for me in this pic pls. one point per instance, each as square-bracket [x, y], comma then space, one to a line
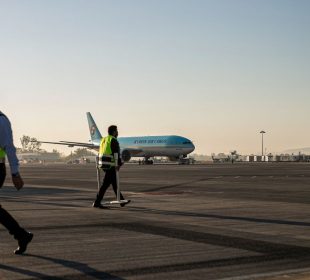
[192, 148]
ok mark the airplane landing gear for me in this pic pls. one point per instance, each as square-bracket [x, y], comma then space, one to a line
[147, 161]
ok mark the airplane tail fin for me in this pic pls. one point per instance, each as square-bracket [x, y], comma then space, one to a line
[93, 129]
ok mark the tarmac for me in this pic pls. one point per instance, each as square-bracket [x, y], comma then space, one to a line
[213, 221]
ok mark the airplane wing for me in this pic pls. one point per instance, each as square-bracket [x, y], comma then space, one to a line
[72, 144]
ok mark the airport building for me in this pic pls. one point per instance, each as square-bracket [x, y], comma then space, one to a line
[259, 158]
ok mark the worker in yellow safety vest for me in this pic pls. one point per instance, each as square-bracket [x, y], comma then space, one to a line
[7, 149]
[108, 147]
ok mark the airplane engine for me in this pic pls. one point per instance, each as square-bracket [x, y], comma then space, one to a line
[126, 156]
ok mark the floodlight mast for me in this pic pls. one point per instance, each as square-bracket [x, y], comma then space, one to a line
[262, 133]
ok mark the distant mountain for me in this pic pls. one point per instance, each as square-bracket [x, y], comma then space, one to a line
[296, 151]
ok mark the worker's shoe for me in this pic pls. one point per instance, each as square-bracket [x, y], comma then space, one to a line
[98, 205]
[23, 241]
[124, 203]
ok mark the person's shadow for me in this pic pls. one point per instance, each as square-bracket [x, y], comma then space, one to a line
[27, 272]
[78, 266]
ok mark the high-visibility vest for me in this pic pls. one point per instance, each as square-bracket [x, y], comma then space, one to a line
[2, 153]
[106, 158]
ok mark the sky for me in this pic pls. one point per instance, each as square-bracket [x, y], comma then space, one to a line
[215, 71]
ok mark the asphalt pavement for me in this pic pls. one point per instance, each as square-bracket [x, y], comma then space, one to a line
[213, 221]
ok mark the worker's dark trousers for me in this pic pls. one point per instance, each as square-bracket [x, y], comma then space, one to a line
[109, 178]
[5, 218]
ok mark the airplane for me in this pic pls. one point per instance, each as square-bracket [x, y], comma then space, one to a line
[172, 146]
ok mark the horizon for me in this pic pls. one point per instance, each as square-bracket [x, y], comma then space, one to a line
[65, 154]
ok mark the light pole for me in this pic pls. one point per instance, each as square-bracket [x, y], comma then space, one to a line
[262, 132]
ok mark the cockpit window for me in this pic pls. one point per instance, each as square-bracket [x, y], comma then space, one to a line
[187, 142]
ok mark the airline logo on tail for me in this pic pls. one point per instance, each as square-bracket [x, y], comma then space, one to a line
[92, 130]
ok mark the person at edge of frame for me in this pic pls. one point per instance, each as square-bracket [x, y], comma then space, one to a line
[109, 146]
[7, 148]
